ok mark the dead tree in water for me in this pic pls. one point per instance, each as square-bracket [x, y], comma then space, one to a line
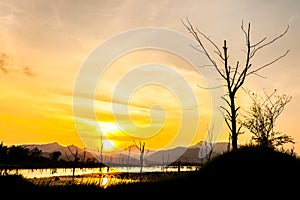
[128, 156]
[75, 160]
[141, 148]
[101, 152]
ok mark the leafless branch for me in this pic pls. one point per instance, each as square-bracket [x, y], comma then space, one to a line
[268, 43]
[209, 88]
[258, 43]
[268, 64]
[190, 28]
[207, 65]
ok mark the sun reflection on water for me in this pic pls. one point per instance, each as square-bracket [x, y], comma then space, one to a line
[103, 177]
[104, 183]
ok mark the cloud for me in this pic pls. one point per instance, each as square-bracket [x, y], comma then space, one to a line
[8, 66]
[3, 63]
[27, 71]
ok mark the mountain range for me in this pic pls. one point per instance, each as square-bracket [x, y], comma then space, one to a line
[131, 155]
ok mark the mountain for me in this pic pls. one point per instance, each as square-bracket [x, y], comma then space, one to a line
[187, 154]
[131, 155]
[67, 152]
[50, 147]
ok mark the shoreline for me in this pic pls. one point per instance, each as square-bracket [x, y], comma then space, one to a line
[106, 179]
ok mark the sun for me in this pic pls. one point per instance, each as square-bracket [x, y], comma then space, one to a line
[107, 128]
[108, 144]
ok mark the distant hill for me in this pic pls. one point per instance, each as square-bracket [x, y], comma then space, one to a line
[130, 155]
[49, 147]
[66, 151]
[186, 154]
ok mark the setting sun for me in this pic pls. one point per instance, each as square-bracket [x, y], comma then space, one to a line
[107, 128]
[108, 145]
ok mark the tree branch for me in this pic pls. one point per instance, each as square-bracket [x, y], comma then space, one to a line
[268, 64]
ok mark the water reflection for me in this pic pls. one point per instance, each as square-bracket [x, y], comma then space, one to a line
[98, 176]
[51, 172]
[104, 182]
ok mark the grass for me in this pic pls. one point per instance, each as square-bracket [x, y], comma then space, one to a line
[250, 170]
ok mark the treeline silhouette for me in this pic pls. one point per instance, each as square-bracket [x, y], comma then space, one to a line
[20, 157]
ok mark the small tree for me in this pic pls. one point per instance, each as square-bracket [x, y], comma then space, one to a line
[207, 146]
[234, 75]
[75, 160]
[100, 151]
[128, 156]
[141, 148]
[54, 156]
[36, 152]
[262, 117]
[3, 157]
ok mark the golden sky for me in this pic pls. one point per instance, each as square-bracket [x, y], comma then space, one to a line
[46, 44]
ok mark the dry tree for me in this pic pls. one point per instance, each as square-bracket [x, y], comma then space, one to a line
[234, 75]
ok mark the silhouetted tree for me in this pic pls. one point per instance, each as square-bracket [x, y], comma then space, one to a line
[234, 75]
[100, 151]
[262, 117]
[164, 163]
[36, 153]
[3, 157]
[54, 156]
[209, 145]
[141, 148]
[75, 160]
[83, 156]
[128, 156]
[3, 153]
[18, 153]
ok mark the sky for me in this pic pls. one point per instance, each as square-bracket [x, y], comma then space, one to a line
[78, 72]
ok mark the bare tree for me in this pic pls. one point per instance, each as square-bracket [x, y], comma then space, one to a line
[167, 162]
[100, 151]
[83, 156]
[128, 157]
[209, 145]
[262, 117]
[141, 148]
[55, 155]
[4, 157]
[234, 75]
[75, 160]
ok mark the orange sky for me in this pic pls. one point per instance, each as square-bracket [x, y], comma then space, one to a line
[45, 44]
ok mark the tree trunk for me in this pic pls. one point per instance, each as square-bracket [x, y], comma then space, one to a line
[141, 162]
[234, 134]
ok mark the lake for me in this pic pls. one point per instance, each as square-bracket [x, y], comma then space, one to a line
[51, 172]
[100, 176]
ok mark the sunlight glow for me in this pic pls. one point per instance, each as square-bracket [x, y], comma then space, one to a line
[107, 128]
[108, 144]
